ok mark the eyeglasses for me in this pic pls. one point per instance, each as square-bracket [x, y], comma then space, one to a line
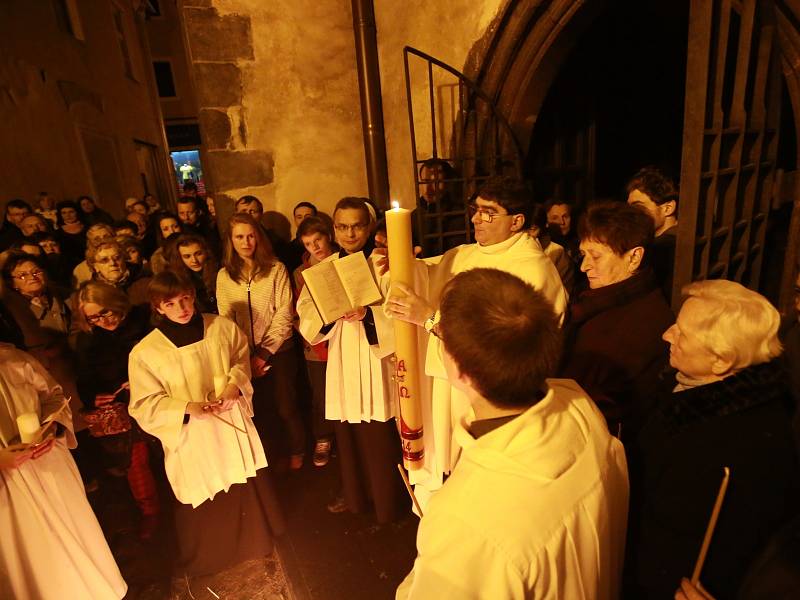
[485, 215]
[103, 315]
[106, 260]
[357, 228]
[31, 275]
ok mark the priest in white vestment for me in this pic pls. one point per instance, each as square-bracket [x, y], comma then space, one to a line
[51, 545]
[501, 242]
[537, 505]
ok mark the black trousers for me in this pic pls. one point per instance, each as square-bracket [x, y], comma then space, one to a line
[368, 457]
[276, 415]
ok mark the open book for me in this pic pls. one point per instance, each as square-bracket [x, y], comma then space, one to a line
[340, 286]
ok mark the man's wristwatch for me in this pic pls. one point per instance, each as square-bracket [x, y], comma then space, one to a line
[428, 324]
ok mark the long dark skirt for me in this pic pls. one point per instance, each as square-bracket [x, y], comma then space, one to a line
[233, 527]
[368, 456]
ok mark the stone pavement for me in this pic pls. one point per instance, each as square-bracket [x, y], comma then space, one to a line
[323, 556]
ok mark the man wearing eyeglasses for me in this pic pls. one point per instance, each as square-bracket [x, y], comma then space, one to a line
[501, 242]
[537, 505]
[358, 384]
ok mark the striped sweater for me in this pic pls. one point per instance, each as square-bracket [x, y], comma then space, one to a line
[269, 301]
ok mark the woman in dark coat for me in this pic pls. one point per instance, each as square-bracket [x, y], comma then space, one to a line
[111, 327]
[729, 409]
[71, 232]
[613, 346]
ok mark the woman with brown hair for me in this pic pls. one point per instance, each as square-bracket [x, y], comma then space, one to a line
[253, 290]
[190, 388]
[110, 328]
[192, 258]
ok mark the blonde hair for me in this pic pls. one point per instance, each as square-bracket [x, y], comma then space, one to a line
[102, 294]
[738, 324]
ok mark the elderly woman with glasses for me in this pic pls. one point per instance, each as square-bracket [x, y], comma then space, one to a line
[108, 261]
[730, 407]
[42, 313]
[110, 328]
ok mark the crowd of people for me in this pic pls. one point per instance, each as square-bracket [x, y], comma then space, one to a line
[575, 430]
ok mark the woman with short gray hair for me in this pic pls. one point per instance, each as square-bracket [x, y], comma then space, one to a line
[730, 408]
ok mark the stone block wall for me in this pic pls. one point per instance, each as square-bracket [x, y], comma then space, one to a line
[278, 98]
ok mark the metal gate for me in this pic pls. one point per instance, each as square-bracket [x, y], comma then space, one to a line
[458, 140]
[730, 142]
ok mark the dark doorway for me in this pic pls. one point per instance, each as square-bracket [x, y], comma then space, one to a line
[616, 104]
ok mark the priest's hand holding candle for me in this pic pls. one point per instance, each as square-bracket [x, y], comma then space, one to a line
[401, 276]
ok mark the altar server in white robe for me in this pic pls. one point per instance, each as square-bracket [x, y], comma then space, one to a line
[51, 545]
[537, 505]
[501, 242]
[190, 388]
[359, 394]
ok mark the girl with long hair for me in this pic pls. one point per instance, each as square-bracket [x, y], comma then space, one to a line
[253, 290]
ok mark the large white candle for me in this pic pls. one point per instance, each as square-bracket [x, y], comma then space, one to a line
[401, 270]
[28, 425]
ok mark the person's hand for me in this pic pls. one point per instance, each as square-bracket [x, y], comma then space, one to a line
[382, 258]
[258, 366]
[198, 410]
[14, 455]
[43, 448]
[226, 401]
[355, 315]
[687, 591]
[411, 308]
[103, 399]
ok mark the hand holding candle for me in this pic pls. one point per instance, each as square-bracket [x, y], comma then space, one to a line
[29, 426]
[401, 275]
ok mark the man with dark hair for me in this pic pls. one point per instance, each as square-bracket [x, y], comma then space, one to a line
[502, 242]
[656, 194]
[296, 252]
[194, 220]
[254, 207]
[16, 210]
[537, 505]
[358, 387]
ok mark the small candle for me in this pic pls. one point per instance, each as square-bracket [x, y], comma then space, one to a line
[220, 383]
[28, 425]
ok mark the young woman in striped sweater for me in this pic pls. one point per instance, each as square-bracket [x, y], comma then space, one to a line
[253, 290]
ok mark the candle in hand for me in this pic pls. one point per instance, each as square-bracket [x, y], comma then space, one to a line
[407, 366]
[28, 425]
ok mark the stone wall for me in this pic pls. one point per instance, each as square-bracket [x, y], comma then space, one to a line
[278, 91]
[278, 96]
[445, 30]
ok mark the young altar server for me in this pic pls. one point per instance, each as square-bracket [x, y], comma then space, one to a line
[537, 505]
[190, 388]
[359, 389]
[51, 545]
[501, 242]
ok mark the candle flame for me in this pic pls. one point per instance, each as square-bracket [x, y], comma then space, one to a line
[395, 204]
